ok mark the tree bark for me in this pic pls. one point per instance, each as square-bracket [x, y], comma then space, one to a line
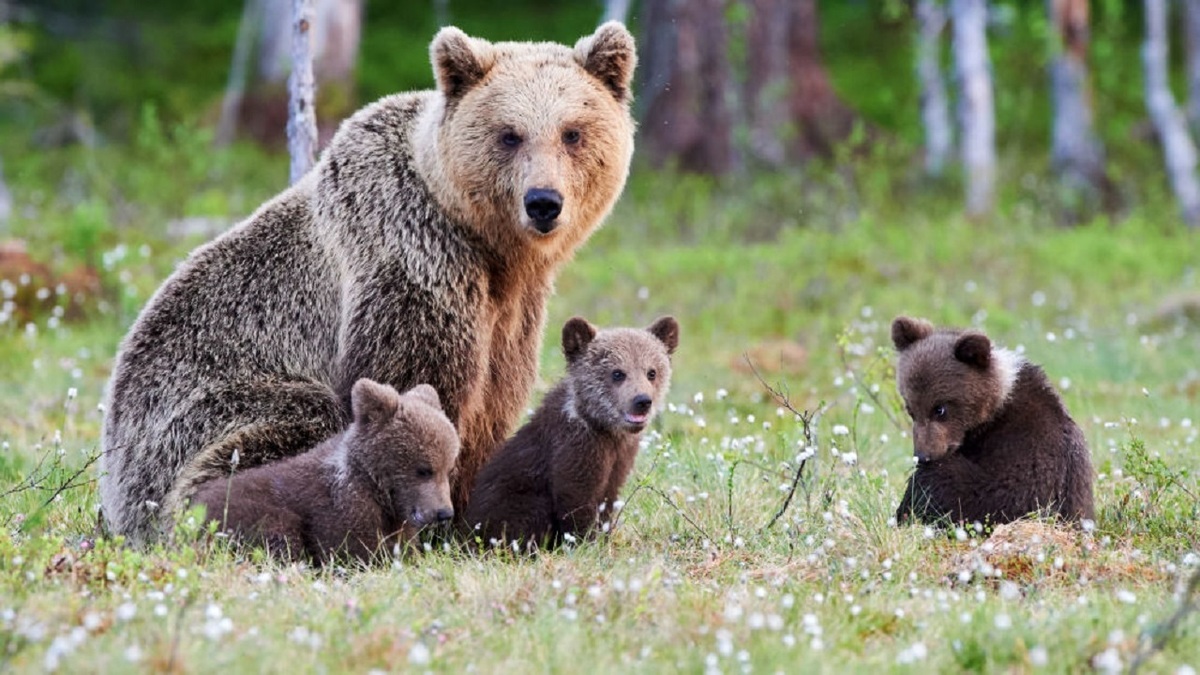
[976, 108]
[1191, 29]
[6, 203]
[822, 119]
[1077, 154]
[1179, 152]
[766, 88]
[302, 115]
[236, 87]
[935, 107]
[616, 10]
[687, 118]
[441, 12]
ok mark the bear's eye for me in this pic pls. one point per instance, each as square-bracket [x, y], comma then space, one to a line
[939, 411]
[651, 374]
[571, 136]
[511, 139]
[425, 472]
[618, 376]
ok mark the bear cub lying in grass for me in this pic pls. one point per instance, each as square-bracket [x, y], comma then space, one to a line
[992, 438]
[562, 471]
[374, 485]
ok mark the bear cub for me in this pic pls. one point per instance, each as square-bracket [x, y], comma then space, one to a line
[992, 438]
[562, 471]
[371, 486]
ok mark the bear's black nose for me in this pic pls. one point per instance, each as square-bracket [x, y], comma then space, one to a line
[543, 206]
[641, 404]
[444, 514]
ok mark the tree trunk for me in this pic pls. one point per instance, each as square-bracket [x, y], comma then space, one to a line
[236, 88]
[687, 118]
[1179, 152]
[1191, 29]
[616, 10]
[302, 115]
[1076, 153]
[935, 107]
[976, 110]
[441, 12]
[822, 120]
[6, 203]
[766, 88]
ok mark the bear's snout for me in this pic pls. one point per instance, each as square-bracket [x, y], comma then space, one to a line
[543, 205]
[444, 515]
[641, 404]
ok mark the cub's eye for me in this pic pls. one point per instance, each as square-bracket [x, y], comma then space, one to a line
[618, 376]
[571, 136]
[425, 472]
[511, 139]
[939, 411]
[651, 374]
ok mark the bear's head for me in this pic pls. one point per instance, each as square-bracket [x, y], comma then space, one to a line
[951, 381]
[530, 143]
[405, 447]
[619, 376]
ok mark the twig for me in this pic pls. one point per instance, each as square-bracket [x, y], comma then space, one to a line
[70, 483]
[681, 512]
[1165, 631]
[791, 493]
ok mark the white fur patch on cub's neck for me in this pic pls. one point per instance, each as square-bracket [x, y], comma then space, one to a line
[569, 408]
[1008, 366]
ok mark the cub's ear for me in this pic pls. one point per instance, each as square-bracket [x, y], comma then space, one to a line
[373, 403]
[426, 394]
[609, 55]
[459, 61]
[907, 330]
[974, 349]
[666, 329]
[577, 334]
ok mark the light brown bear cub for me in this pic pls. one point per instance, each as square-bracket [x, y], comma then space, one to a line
[375, 484]
[992, 438]
[563, 470]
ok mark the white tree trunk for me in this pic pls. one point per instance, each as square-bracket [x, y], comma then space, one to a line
[1179, 152]
[1076, 152]
[616, 10]
[976, 110]
[1191, 30]
[236, 87]
[302, 116]
[935, 108]
[6, 203]
[441, 12]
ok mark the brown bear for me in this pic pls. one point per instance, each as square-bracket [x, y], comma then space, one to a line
[562, 471]
[992, 438]
[422, 248]
[374, 485]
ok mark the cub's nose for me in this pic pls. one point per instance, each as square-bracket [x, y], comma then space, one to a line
[543, 206]
[444, 515]
[641, 404]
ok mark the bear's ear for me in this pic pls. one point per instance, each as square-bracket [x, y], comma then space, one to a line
[425, 394]
[373, 403]
[577, 334]
[974, 349]
[906, 330]
[609, 55]
[459, 61]
[666, 329]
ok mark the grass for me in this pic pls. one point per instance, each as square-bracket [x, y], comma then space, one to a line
[693, 578]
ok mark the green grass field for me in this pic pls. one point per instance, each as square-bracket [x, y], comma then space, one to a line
[800, 275]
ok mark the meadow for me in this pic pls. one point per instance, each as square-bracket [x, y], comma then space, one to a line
[757, 531]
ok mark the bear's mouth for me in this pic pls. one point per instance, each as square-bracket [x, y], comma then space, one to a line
[636, 421]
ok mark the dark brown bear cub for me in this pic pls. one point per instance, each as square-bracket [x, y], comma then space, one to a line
[992, 438]
[373, 485]
[562, 471]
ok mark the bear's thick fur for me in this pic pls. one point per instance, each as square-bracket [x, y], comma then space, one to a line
[421, 248]
[992, 438]
[563, 470]
[373, 485]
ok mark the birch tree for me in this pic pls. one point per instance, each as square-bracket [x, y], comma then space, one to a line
[822, 120]
[976, 108]
[766, 87]
[1191, 31]
[1179, 152]
[1076, 152]
[616, 10]
[935, 107]
[302, 115]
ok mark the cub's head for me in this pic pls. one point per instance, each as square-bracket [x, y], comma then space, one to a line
[952, 381]
[406, 447]
[531, 141]
[619, 376]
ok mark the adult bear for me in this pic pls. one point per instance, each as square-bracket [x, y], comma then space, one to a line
[422, 248]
